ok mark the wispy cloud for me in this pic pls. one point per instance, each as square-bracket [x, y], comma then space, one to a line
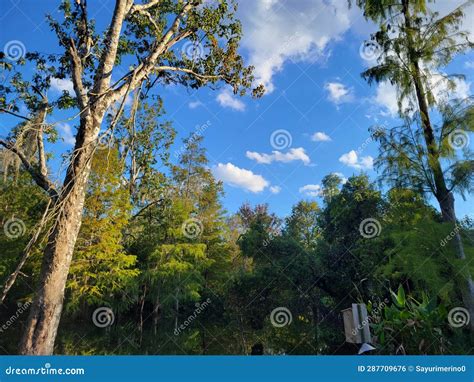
[338, 93]
[294, 154]
[275, 189]
[229, 100]
[311, 190]
[59, 84]
[195, 104]
[65, 131]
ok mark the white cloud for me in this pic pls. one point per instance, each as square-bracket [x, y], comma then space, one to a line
[442, 91]
[338, 93]
[351, 159]
[386, 96]
[320, 137]
[59, 85]
[311, 190]
[276, 31]
[227, 99]
[239, 177]
[194, 104]
[275, 189]
[66, 133]
[293, 154]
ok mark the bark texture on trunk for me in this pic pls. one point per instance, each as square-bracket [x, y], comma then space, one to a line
[93, 101]
[45, 313]
[142, 306]
[156, 314]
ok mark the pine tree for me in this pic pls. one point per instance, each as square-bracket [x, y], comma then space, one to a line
[101, 269]
[415, 42]
[144, 40]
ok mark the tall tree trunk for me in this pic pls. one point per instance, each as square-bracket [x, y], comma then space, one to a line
[156, 313]
[45, 311]
[443, 195]
[203, 342]
[467, 291]
[142, 306]
[242, 335]
[176, 308]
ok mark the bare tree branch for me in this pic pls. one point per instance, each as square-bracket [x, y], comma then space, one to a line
[143, 7]
[76, 74]
[148, 64]
[41, 154]
[107, 60]
[189, 71]
[40, 179]
[14, 114]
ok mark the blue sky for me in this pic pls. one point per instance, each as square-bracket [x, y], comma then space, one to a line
[318, 109]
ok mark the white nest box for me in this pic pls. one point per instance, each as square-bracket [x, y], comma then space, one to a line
[356, 324]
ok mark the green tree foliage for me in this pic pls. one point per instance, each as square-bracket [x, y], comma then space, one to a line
[348, 258]
[416, 45]
[411, 326]
[101, 269]
[155, 274]
[302, 225]
[184, 276]
[21, 206]
[144, 140]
